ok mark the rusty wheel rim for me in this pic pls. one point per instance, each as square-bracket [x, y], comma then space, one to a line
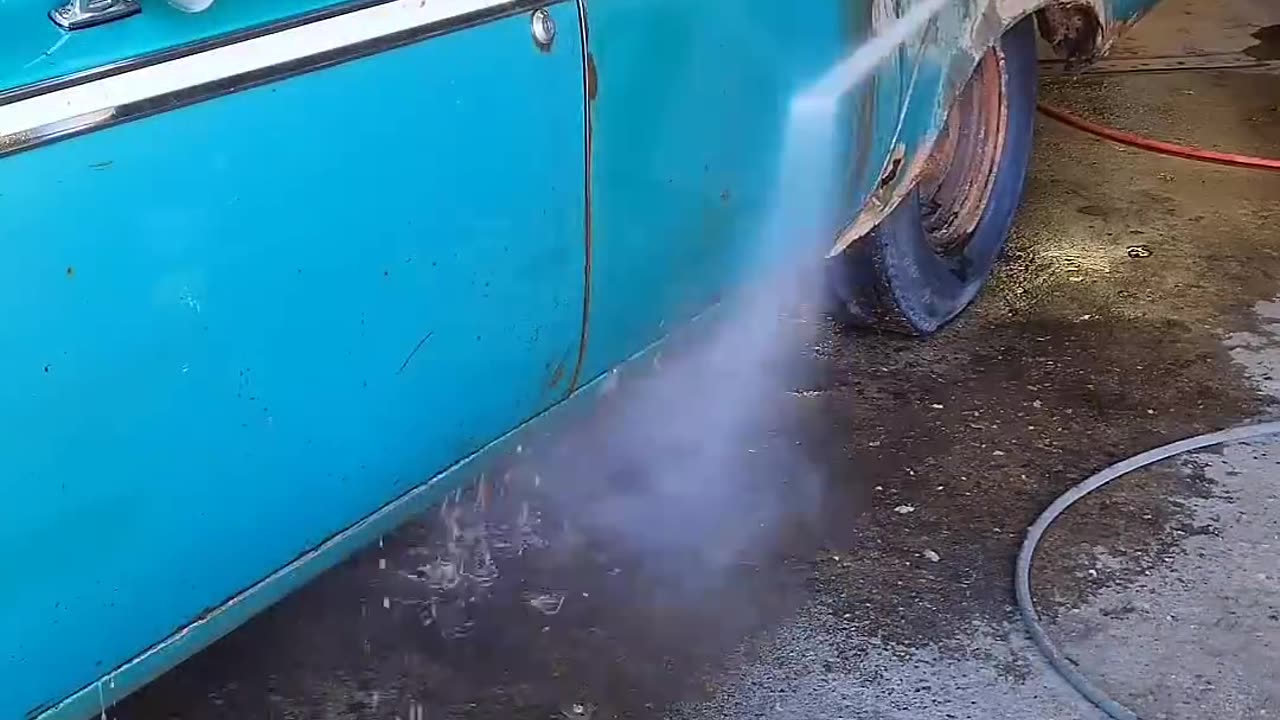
[960, 171]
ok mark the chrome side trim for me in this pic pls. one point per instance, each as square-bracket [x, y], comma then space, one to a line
[70, 110]
[23, 92]
[81, 14]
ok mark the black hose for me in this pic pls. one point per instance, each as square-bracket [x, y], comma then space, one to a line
[1022, 572]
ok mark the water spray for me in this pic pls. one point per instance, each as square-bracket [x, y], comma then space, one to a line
[705, 403]
[855, 68]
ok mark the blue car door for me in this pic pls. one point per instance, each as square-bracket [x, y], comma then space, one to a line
[689, 108]
[263, 269]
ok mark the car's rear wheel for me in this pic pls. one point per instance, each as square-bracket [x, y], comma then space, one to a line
[927, 260]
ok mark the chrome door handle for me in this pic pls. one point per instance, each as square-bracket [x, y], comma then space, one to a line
[79, 14]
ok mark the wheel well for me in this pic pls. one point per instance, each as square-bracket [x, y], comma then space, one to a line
[1073, 28]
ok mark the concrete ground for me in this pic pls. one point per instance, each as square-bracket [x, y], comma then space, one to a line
[851, 554]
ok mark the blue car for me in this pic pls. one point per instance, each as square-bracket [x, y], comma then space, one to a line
[279, 274]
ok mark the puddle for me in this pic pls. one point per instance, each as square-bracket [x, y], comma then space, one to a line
[1268, 46]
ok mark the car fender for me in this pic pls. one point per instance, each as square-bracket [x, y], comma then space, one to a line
[940, 64]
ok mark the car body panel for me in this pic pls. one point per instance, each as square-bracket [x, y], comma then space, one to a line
[688, 124]
[1128, 11]
[252, 329]
[245, 332]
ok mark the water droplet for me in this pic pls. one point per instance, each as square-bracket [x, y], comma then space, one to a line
[545, 603]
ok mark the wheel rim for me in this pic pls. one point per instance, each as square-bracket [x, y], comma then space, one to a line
[958, 175]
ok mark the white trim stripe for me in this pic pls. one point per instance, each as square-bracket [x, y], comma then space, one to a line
[83, 105]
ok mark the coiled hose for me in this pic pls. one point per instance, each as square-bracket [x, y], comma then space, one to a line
[1022, 571]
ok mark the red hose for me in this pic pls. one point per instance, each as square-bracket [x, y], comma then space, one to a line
[1159, 146]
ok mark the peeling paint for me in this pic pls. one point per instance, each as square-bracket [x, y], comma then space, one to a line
[593, 80]
[189, 299]
[961, 37]
[557, 374]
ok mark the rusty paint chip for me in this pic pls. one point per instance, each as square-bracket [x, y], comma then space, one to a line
[593, 81]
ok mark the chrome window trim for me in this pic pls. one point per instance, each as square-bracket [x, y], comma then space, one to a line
[29, 118]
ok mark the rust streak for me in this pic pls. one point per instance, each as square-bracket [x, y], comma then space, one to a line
[592, 80]
[589, 85]
[557, 374]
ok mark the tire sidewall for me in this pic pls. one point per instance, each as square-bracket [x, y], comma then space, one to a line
[928, 288]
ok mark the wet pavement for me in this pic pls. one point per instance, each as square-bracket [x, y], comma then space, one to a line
[848, 552]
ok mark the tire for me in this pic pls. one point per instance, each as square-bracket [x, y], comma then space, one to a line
[908, 275]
